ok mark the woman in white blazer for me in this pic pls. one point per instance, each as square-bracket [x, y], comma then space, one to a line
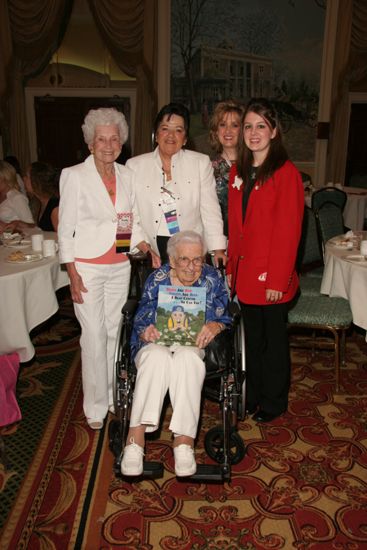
[175, 188]
[98, 223]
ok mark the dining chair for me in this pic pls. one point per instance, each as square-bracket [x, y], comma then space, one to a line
[330, 222]
[328, 194]
[322, 314]
[310, 265]
[309, 254]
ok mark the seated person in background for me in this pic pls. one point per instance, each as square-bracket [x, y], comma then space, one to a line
[15, 214]
[42, 181]
[15, 163]
[178, 369]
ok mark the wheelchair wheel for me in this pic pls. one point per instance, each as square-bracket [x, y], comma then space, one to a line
[115, 438]
[117, 360]
[240, 368]
[214, 445]
[123, 383]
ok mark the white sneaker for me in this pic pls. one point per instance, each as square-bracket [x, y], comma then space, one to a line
[185, 464]
[132, 459]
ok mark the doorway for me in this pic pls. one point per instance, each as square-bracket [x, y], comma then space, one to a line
[58, 127]
[356, 165]
[54, 131]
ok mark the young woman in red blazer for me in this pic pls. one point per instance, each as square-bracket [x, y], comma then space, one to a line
[265, 211]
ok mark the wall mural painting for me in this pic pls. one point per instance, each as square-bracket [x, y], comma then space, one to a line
[246, 48]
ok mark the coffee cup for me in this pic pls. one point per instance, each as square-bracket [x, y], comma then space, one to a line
[49, 248]
[363, 248]
[37, 240]
[330, 184]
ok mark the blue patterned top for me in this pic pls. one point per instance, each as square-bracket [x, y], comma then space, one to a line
[216, 301]
[221, 170]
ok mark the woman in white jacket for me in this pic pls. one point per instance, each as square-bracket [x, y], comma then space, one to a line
[98, 223]
[175, 188]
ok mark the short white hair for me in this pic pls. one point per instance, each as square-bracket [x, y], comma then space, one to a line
[104, 117]
[185, 237]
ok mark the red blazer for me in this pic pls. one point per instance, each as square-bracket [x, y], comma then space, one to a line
[262, 251]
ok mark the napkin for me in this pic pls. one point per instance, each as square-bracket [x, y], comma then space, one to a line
[349, 235]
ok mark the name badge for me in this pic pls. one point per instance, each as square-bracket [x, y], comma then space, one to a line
[168, 202]
[124, 230]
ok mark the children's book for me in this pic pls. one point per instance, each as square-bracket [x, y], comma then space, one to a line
[180, 314]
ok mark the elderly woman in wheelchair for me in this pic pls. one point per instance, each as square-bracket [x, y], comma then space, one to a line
[178, 369]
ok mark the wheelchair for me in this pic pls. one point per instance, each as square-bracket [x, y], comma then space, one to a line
[224, 384]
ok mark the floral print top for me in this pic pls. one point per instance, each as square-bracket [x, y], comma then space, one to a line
[221, 170]
[216, 301]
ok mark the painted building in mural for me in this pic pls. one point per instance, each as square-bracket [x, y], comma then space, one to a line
[223, 72]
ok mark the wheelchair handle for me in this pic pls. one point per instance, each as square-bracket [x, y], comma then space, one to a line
[221, 267]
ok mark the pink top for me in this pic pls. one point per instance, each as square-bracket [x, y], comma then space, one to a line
[111, 256]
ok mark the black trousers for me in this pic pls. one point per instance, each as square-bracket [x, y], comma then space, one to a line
[267, 356]
[162, 247]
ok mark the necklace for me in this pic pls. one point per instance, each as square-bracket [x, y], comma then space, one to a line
[166, 172]
[227, 159]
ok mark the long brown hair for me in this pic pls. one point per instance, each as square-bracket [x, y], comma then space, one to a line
[276, 156]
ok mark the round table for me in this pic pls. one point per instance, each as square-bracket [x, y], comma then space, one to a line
[355, 210]
[27, 298]
[346, 277]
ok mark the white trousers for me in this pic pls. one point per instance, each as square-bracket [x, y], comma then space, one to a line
[99, 317]
[181, 371]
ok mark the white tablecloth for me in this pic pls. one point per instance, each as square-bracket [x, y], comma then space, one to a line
[346, 279]
[355, 210]
[27, 294]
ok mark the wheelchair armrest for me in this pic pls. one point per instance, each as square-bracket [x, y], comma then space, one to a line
[130, 306]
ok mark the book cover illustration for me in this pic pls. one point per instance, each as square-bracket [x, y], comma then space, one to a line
[180, 314]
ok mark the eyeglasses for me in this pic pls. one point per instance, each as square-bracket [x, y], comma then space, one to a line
[183, 261]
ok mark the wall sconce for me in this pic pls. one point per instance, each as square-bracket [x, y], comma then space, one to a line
[56, 79]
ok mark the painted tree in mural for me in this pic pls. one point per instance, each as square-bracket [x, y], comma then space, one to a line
[187, 30]
[195, 22]
[260, 32]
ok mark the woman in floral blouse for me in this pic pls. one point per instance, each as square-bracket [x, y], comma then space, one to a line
[225, 126]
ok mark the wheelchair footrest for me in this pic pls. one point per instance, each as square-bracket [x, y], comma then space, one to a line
[211, 472]
[153, 469]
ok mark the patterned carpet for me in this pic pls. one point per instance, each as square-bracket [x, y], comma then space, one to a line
[302, 483]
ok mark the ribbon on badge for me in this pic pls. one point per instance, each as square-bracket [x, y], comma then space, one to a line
[124, 230]
[170, 211]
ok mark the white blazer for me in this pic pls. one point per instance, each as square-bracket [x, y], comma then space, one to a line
[193, 186]
[87, 216]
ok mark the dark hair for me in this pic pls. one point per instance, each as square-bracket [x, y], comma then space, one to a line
[173, 109]
[277, 155]
[44, 179]
[11, 159]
